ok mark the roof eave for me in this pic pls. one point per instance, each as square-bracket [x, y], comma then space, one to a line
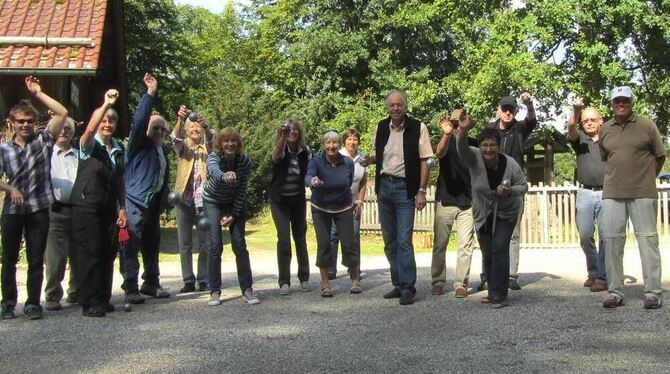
[48, 72]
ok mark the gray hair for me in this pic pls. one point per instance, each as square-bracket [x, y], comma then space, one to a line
[331, 135]
[401, 93]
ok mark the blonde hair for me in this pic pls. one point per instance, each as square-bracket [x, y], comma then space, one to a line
[227, 134]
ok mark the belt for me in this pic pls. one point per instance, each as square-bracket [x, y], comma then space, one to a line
[592, 188]
[392, 177]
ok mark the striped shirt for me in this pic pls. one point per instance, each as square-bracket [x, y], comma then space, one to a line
[293, 185]
[29, 170]
[219, 192]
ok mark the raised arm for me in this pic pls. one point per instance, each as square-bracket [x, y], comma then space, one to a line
[178, 127]
[448, 131]
[60, 113]
[87, 138]
[464, 152]
[138, 131]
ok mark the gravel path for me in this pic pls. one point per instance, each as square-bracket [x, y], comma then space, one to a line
[552, 325]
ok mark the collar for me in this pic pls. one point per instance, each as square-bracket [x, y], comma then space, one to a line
[58, 150]
[30, 139]
[340, 159]
[115, 145]
[631, 119]
[344, 152]
[397, 128]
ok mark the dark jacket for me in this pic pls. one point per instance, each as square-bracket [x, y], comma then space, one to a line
[280, 171]
[410, 153]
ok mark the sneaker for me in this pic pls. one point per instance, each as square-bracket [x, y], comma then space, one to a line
[7, 312]
[202, 287]
[188, 288]
[32, 311]
[93, 311]
[437, 290]
[406, 298]
[589, 282]
[156, 292]
[72, 299]
[250, 297]
[134, 298]
[652, 302]
[284, 289]
[214, 298]
[613, 301]
[514, 284]
[598, 286]
[393, 294]
[304, 286]
[460, 292]
[53, 305]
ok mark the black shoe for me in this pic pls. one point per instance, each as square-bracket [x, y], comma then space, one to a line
[393, 294]
[32, 311]
[72, 299]
[156, 292]
[93, 311]
[108, 307]
[134, 298]
[514, 284]
[482, 287]
[203, 287]
[188, 288]
[7, 312]
[406, 297]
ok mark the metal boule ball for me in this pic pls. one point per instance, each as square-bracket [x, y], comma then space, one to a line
[203, 224]
[174, 198]
[193, 117]
[431, 162]
[127, 307]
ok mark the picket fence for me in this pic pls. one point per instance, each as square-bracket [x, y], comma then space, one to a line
[548, 219]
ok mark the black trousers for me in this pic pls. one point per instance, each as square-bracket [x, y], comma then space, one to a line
[94, 262]
[34, 227]
[289, 217]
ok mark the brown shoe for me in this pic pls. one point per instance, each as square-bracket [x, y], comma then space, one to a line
[485, 300]
[589, 282]
[460, 292]
[437, 290]
[612, 302]
[598, 286]
[652, 302]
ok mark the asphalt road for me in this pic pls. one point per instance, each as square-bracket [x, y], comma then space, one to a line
[552, 325]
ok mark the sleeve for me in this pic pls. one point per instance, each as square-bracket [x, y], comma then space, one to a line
[425, 148]
[138, 129]
[464, 151]
[373, 150]
[312, 171]
[86, 150]
[352, 170]
[243, 172]
[658, 149]
[214, 167]
[518, 182]
[178, 144]
[601, 144]
[528, 127]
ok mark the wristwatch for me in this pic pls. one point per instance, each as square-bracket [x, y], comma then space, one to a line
[422, 190]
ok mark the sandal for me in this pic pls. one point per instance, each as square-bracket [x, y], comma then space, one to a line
[355, 286]
[326, 291]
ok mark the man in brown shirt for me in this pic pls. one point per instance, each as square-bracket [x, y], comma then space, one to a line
[633, 152]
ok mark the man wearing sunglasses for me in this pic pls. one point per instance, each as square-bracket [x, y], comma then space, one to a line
[146, 179]
[513, 136]
[633, 151]
[25, 161]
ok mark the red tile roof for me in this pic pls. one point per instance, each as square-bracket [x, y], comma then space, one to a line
[44, 21]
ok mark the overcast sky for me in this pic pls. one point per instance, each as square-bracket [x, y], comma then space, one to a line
[216, 6]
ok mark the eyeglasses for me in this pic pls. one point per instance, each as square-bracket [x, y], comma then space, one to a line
[589, 120]
[507, 109]
[23, 121]
[159, 128]
[620, 100]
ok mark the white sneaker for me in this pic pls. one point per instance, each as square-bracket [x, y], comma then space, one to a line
[284, 290]
[304, 286]
[214, 298]
[250, 297]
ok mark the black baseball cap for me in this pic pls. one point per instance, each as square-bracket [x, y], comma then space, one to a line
[508, 101]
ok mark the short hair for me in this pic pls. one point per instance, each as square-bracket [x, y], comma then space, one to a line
[331, 135]
[401, 93]
[23, 107]
[592, 109]
[228, 133]
[112, 115]
[351, 132]
[488, 133]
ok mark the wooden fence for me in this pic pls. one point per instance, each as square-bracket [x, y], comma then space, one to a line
[548, 219]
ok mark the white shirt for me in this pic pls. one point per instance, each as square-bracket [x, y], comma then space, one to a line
[359, 171]
[63, 172]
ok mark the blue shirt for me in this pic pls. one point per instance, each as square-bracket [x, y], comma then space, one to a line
[334, 193]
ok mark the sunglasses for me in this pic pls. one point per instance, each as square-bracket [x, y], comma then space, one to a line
[24, 121]
[507, 109]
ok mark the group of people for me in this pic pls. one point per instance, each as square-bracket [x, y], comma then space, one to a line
[86, 200]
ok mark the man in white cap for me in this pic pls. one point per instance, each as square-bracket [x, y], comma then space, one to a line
[633, 152]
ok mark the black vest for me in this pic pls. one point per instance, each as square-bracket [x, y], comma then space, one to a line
[96, 186]
[410, 146]
[280, 171]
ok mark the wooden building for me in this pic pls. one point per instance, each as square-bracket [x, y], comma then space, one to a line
[75, 47]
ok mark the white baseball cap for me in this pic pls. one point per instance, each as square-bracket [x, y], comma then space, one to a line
[623, 91]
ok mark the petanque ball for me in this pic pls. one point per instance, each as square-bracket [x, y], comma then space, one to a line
[431, 163]
[127, 308]
[203, 224]
[174, 198]
[193, 117]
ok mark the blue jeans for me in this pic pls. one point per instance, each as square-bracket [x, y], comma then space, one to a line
[214, 212]
[494, 240]
[186, 218]
[396, 216]
[145, 238]
[335, 241]
[589, 213]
